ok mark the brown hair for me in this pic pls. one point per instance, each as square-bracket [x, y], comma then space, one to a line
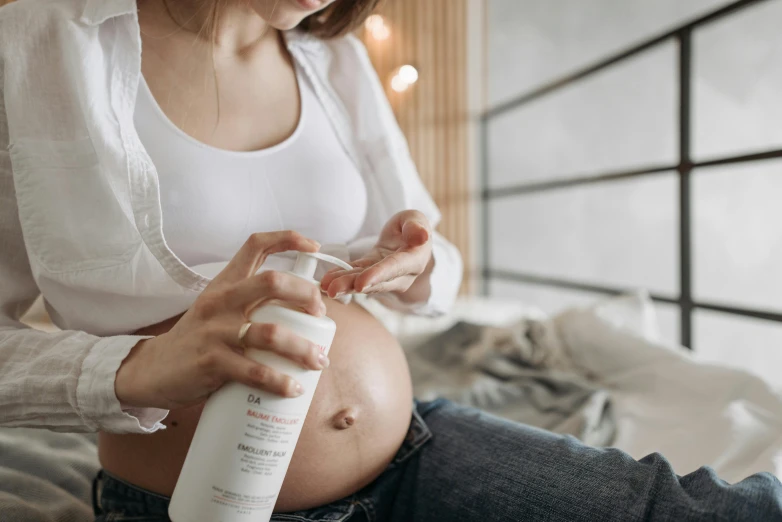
[340, 18]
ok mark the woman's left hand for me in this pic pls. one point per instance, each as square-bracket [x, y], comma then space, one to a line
[402, 253]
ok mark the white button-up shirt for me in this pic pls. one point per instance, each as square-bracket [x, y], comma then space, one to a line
[80, 216]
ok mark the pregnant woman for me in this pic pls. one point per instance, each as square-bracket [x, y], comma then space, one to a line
[140, 140]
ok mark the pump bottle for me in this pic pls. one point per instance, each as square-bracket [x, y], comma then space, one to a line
[245, 437]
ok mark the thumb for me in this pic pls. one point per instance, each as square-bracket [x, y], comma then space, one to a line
[414, 232]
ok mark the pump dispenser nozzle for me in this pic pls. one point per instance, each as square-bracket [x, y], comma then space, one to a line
[307, 263]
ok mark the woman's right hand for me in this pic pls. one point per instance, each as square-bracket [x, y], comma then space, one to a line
[202, 351]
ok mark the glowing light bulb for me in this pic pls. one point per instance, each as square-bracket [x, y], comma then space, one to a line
[398, 84]
[374, 21]
[381, 33]
[409, 74]
[377, 27]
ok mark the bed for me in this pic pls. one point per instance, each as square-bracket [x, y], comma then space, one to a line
[606, 377]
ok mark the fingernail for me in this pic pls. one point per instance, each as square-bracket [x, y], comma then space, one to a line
[322, 308]
[297, 390]
[338, 295]
[323, 361]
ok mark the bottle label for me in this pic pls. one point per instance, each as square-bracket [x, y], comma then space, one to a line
[243, 446]
[262, 453]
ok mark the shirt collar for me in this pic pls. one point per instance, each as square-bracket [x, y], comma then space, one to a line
[296, 38]
[98, 11]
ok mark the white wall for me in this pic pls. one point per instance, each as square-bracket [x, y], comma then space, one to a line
[625, 233]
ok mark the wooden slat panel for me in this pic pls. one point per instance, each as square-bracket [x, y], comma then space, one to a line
[433, 114]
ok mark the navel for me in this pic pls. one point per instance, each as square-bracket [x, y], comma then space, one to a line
[345, 418]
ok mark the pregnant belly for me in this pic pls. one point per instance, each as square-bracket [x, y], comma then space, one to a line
[358, 420]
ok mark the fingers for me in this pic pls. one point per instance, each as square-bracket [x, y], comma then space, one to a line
[400, 284]
[330, 276]
[258, 246]
[249, 292]
[396, 265]
[335, 273]
[234, 367]
[339, 281]
[282, 341]
[395, 272]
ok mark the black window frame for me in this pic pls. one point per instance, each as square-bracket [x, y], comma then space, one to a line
[684, 167]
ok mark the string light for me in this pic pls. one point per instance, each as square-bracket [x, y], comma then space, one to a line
[377, 27]
[398, 84]
[409, 74]
[405, 76]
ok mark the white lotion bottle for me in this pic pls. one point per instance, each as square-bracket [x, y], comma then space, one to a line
[245, 437]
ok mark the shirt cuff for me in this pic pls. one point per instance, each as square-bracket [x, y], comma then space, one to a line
[96, 399]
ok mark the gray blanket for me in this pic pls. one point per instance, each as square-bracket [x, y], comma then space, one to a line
[519, 372]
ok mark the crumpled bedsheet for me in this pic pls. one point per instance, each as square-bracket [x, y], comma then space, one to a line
[46, 476]
[515, 372]
[662, 398]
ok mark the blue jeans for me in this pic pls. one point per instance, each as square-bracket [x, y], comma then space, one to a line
[459, 464]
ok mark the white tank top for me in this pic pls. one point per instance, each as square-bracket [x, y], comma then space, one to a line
[213, 199]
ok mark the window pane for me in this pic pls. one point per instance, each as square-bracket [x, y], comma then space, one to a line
[533, 42]
[737, 245]
[621, 118]
[737, 83]
[752, 344]
[622, 233]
